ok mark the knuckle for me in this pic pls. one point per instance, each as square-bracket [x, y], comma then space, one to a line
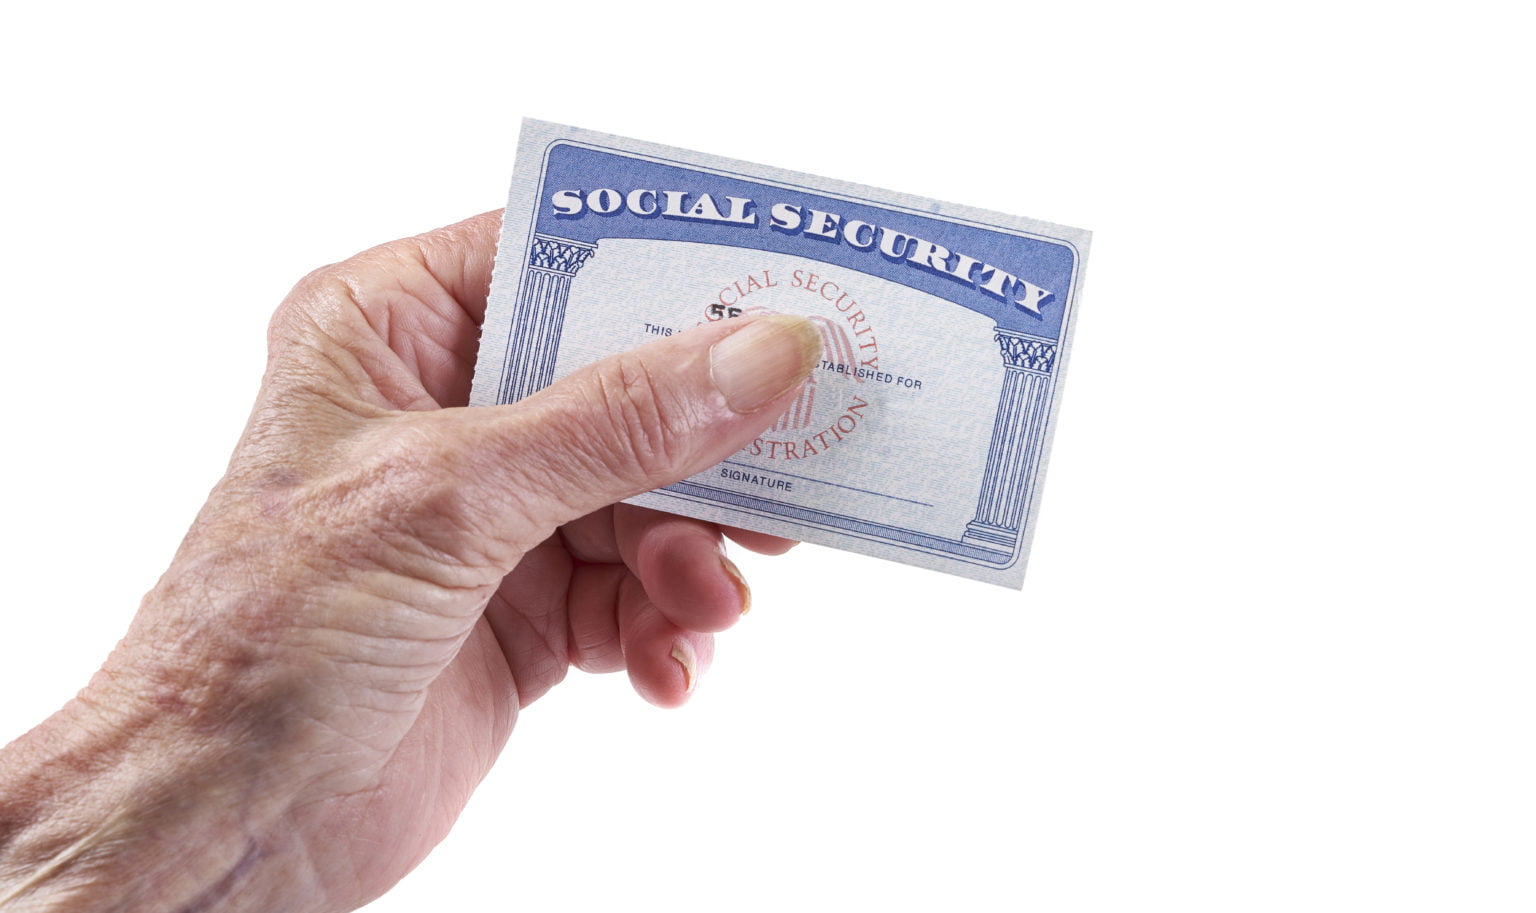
[351, 283]
[640, 415]
[310, 307]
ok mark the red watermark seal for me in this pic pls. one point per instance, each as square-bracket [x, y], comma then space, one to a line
[835, 401]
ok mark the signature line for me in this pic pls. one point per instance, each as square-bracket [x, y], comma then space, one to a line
[862, 491]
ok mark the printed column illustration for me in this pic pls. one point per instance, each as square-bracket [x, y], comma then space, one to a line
[540, 313]
[1017, 435]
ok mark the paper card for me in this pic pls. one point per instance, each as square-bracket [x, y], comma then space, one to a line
[921, 437]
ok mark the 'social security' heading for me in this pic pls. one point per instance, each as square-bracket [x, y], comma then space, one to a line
[793, 219]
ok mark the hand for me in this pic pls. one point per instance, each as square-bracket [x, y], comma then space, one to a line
[340, 649]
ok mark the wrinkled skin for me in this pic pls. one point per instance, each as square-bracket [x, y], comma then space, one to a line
[379, 584]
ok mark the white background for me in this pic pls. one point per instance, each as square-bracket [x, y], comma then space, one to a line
[1275, 647]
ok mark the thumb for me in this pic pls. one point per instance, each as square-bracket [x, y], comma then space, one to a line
[625, 425]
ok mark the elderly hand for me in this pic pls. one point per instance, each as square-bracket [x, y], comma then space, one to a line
[379, 583]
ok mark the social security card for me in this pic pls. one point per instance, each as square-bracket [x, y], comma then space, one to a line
[921, 437]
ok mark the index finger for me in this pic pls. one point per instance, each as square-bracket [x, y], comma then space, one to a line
[460, 257]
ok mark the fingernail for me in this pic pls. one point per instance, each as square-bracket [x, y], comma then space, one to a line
[682, 651]
[742, 590]
[763, 359]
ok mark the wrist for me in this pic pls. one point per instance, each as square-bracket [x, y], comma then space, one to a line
[154, 789]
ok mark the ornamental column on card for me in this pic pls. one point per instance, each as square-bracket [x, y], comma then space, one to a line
[540, 314]
[1017, 438]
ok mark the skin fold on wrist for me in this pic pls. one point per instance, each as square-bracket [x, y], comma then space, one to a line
[162, 786]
